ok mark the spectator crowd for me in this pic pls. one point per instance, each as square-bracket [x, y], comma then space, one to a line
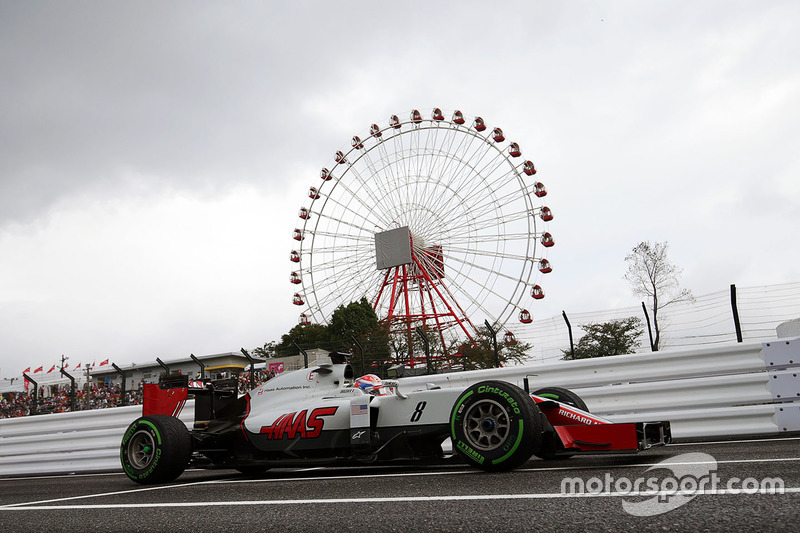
[14, 404]
[261, 376]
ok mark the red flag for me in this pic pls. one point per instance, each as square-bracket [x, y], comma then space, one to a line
[26, 370]
[104, 362]
[38, 369]
[53, 368]
[77, 366]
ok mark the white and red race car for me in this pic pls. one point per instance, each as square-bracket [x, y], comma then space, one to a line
[318, 416]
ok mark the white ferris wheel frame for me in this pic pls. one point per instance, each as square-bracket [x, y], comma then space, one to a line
[467, 190]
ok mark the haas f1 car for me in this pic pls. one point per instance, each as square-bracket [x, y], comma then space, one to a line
[322, 415]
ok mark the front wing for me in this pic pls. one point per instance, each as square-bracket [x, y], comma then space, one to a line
[576, 431]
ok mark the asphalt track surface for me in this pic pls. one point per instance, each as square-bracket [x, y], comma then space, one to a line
[443, 497]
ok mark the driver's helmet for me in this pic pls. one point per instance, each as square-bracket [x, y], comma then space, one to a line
[371, 384]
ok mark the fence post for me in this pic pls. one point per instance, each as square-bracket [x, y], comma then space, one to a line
[302, 351]
[201, 365]
[649, 330]
[735, 309]
[569, 330]
[35, 406]
[360, 351]
[252, 369]
[123, 384]
[165, 367]
[494, 343]
[427, 349]
[71, 389]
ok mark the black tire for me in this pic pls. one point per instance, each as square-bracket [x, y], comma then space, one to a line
[551, 443]
[495, 426]
[155, 449]
[562, 395]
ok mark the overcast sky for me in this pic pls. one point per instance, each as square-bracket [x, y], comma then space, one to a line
[153, 155]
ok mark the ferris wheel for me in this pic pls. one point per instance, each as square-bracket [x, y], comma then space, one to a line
[435, 221]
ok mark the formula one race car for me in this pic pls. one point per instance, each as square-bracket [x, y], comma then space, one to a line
[323, 415]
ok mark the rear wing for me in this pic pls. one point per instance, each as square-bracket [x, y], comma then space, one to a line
[169, 395]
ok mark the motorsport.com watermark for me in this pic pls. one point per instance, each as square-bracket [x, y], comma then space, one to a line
[693, 474]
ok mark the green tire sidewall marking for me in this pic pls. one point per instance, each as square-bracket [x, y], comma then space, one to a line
[549, 395]
[513, 448]
[124, 450]
[455, 411]
[155, 430]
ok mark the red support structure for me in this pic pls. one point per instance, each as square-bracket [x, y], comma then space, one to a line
[436, 305]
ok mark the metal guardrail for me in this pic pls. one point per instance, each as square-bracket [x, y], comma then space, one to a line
[84, 441]
[728, 391]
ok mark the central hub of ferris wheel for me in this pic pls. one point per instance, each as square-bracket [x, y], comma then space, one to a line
[468, 239]
[413, 290]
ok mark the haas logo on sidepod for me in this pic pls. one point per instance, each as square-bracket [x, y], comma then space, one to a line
[291, 426]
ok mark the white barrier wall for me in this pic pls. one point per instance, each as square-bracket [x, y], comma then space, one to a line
[728, 391]
[84, 441]
[735, 390]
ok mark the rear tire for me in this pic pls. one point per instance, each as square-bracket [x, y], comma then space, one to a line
[155, 449]
[495, 426]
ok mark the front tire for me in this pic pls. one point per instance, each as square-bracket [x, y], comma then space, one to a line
[562, 395]
[155, 449]
[551, 443]
[495, 426]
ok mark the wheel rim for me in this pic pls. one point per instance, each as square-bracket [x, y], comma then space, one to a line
[141, 449]
[486, 425]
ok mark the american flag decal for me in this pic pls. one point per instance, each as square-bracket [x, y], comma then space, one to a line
[358, 409]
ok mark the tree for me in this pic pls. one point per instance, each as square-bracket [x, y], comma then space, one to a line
[607, 338]
[306, 336]
[358, 320]
[266, 351]
[354, 319]
[651, 274]
[481, 355]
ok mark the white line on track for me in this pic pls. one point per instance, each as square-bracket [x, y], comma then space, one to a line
[703, 443]
[398, 499]
[222, 481]
[37, 504]
[642, 465]
[309, 469]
